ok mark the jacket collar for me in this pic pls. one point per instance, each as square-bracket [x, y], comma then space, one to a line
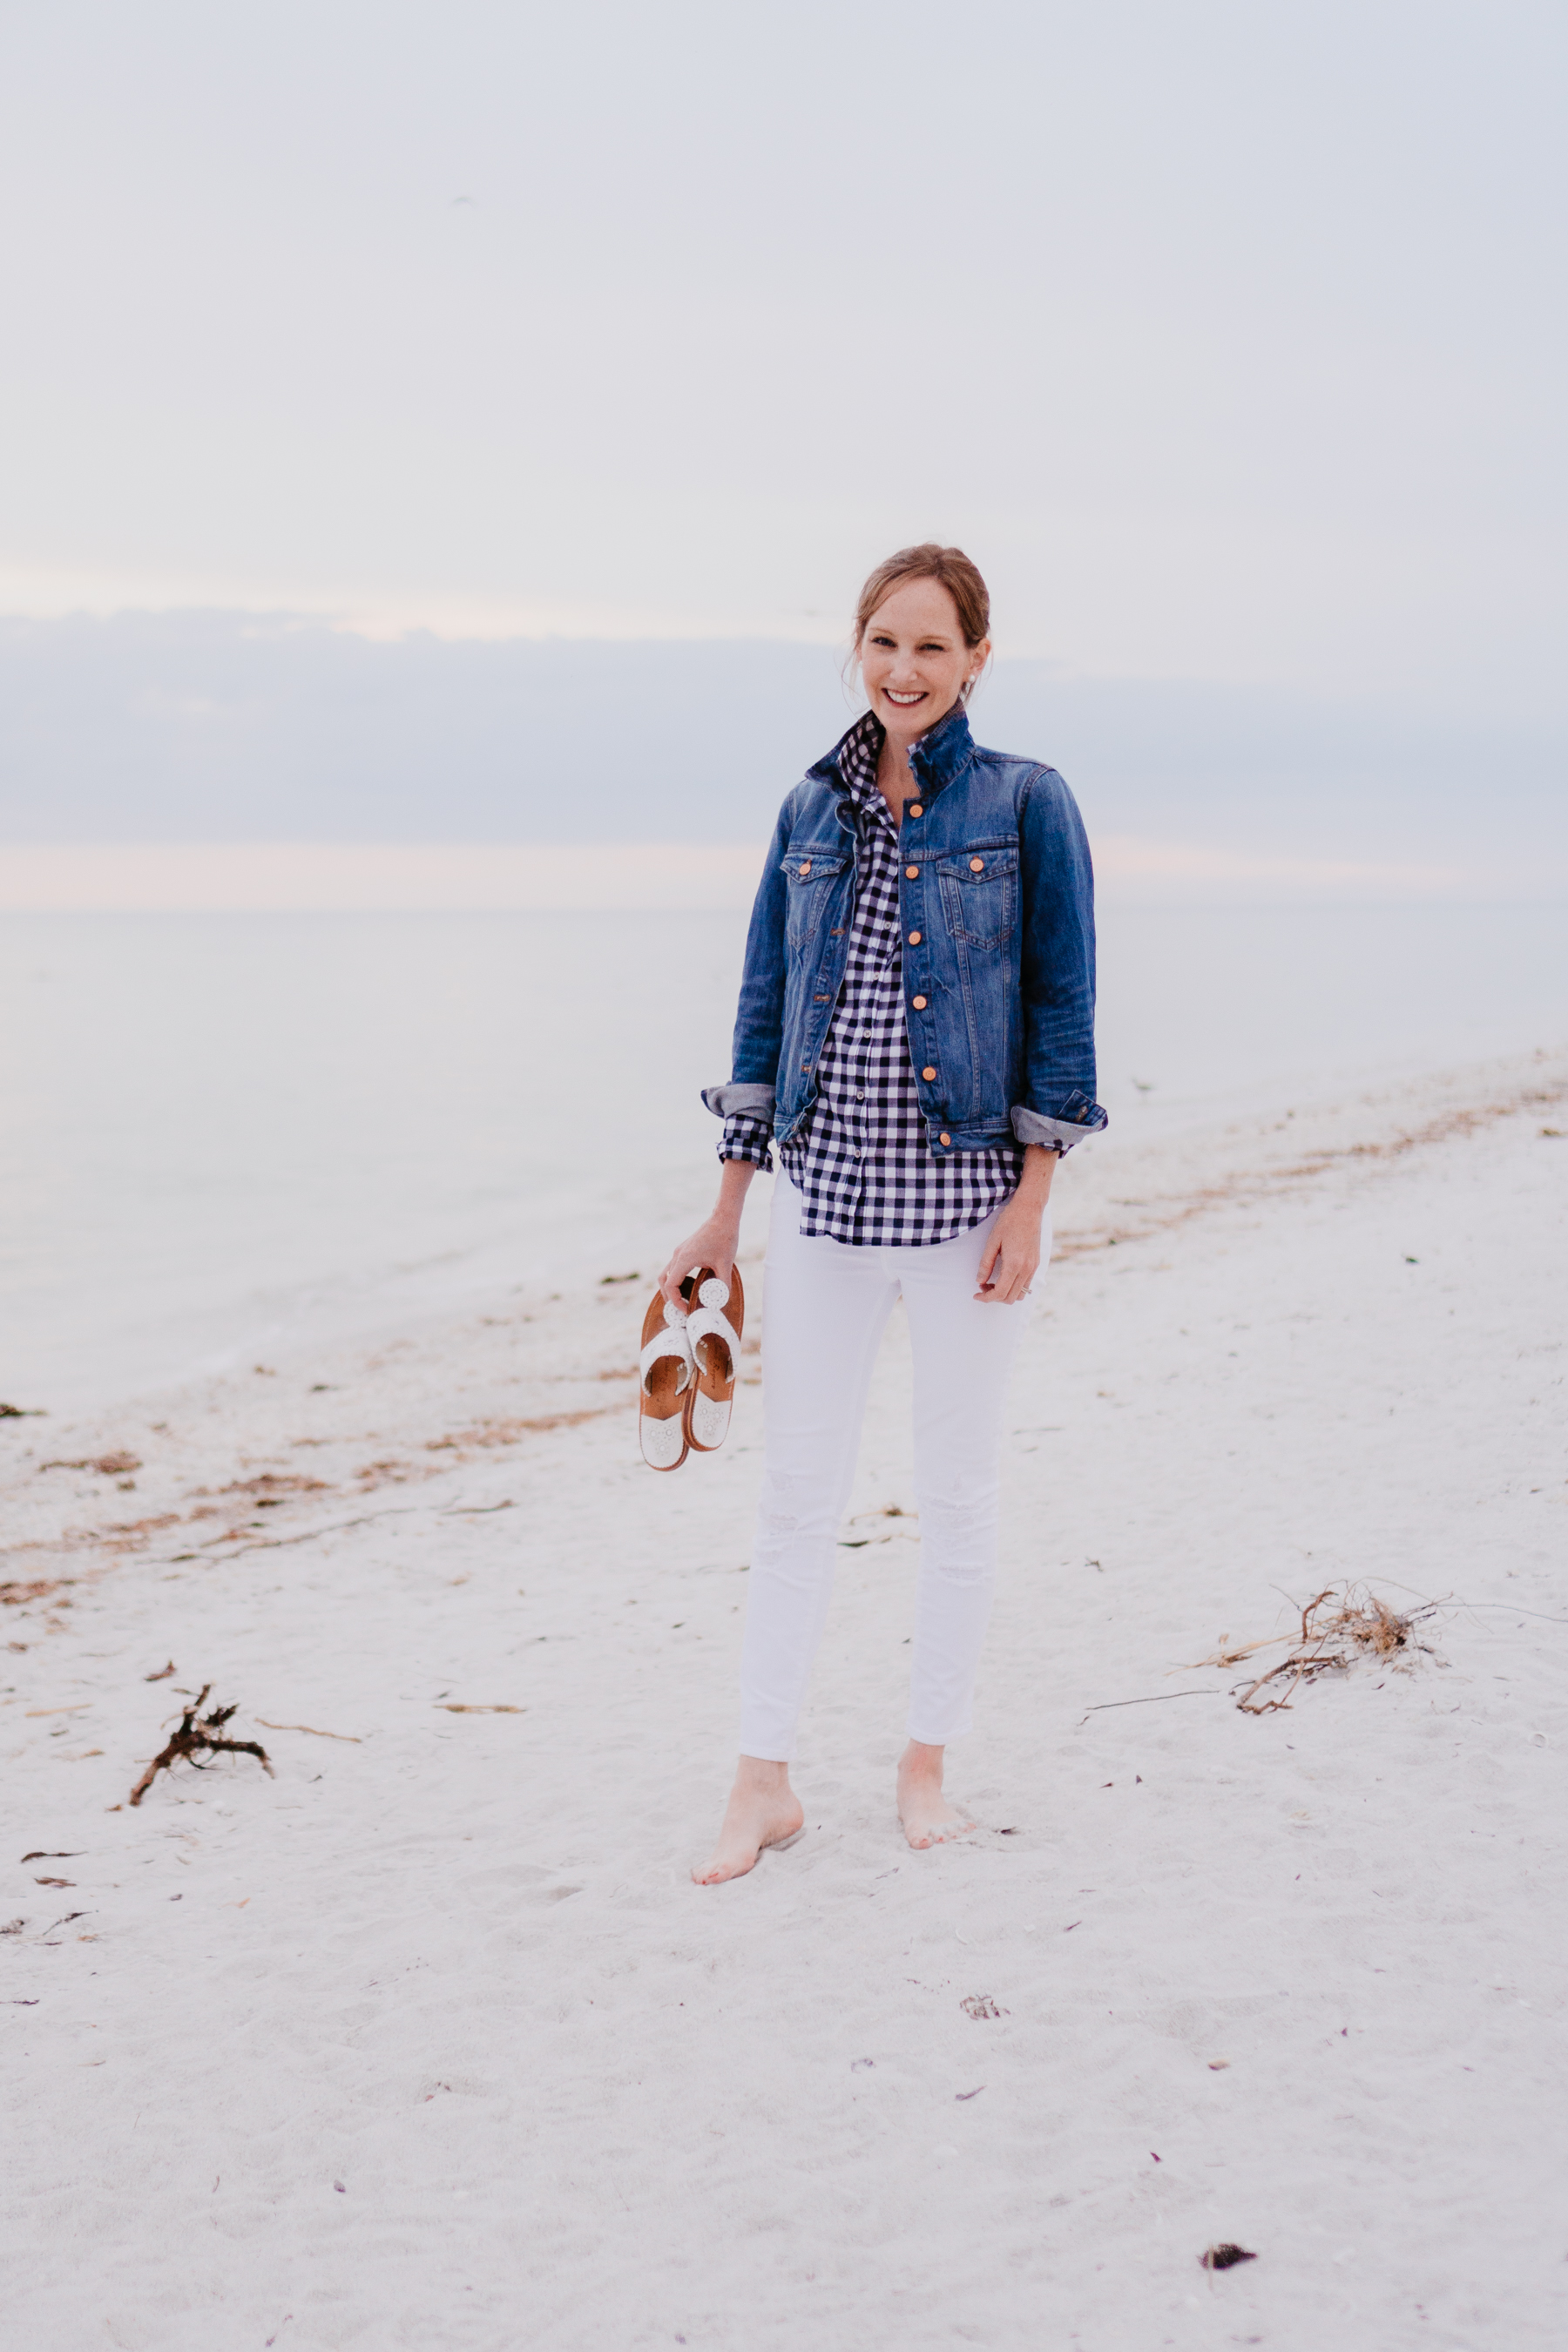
[940, 755]
[936, 759]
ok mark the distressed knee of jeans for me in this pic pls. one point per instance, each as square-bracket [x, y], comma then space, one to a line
[966, 1574]
[792, 1504]
[954, 1526]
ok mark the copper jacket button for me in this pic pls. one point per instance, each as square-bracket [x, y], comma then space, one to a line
[945, 1138]
[928, 1074]
[915, 809]
[919, 1003]
[978, 864]
[914, 939]
[911, 873]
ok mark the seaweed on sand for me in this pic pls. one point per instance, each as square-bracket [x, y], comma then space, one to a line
[200, 1733]
[1336, 1627]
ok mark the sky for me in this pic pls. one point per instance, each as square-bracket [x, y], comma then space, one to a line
[1228, 338]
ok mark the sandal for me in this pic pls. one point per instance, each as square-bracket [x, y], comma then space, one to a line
[714, 1338]
[667, 1375]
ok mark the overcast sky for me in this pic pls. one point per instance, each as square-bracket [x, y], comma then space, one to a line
[1228, 338]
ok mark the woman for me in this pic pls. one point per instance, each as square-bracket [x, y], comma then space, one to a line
[915, 1035]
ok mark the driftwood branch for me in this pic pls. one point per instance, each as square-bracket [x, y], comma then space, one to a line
[200, 1733]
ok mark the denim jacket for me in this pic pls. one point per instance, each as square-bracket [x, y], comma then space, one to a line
[996, 907]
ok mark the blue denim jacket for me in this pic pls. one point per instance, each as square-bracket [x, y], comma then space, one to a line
[996, 906]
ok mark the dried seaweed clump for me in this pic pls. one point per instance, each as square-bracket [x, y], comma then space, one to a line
[15, 1595]
[1336, 1627]
[200, 1734]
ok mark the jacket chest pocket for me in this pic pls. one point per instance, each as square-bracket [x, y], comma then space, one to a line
[809, 876]
[979, 895]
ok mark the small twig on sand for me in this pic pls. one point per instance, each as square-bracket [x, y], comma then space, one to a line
[351, 1737]
[308, 1535]
[204, 1734]
[1230, 1654]
[1105, 1704]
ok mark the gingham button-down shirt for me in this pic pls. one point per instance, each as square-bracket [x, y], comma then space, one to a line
[861, 1162]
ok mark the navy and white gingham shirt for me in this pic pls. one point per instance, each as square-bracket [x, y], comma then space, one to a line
[861, 1162]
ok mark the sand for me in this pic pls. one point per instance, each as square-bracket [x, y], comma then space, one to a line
[428, 2041]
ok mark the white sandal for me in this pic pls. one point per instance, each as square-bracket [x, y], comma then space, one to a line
[667, 1371]
[714, 1339]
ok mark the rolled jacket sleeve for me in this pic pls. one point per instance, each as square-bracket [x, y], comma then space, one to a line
[747, 1097]
[1083, 1118]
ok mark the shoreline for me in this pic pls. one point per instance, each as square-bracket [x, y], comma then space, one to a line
[558, 1347]
[1162, 1150]
[232, 1137]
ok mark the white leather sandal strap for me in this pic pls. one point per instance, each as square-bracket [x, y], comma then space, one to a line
[707, 1323]
[670, 1341]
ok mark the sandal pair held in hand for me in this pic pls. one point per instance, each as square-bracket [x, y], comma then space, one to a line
[714, 1334]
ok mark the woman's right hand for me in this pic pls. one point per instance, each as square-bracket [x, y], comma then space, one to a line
[715, 1242]
[711, 1244]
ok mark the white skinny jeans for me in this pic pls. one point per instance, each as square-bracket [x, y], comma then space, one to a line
[827, 1307]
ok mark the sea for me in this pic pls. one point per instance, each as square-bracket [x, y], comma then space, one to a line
[222, 1135]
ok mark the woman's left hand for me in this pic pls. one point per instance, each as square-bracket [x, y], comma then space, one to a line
[1011, 1258]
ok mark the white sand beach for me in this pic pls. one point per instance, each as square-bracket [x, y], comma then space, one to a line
[428, 2041]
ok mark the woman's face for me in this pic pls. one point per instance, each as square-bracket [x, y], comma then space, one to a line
[913, 659]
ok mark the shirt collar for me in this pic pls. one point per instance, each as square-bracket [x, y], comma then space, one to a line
[856, 760]
[935, 757]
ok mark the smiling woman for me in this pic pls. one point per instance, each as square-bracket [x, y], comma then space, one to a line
[915, 1035]
[945, 605]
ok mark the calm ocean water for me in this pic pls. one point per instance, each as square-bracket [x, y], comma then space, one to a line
[219, 1129]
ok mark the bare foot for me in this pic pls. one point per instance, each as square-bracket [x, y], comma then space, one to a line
[762, 1811]
[928, 1818]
